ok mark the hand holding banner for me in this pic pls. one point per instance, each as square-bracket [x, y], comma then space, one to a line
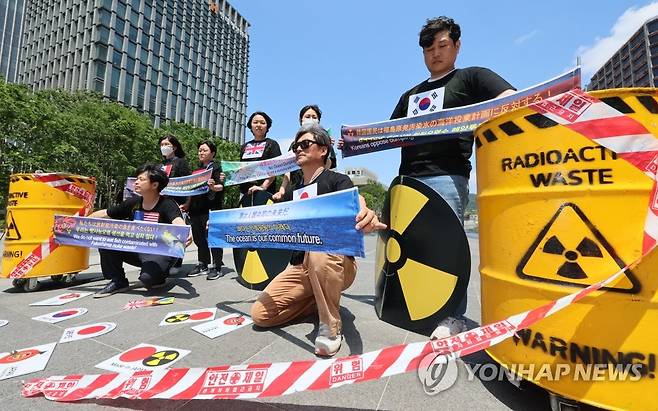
[447, 124]
[238, 172]
[324, 223]
[121, 235]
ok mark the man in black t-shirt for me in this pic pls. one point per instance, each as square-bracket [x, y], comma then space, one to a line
[444, 166]
[314, 280]
[148, 206]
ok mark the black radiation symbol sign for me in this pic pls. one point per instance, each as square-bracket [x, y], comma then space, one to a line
[571, 269]
[570, 250]
[257, 267]
[160, 358]
[12, 232]
[178, 318]
[423, 261]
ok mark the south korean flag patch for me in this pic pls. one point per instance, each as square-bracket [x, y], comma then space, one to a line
[425, 103]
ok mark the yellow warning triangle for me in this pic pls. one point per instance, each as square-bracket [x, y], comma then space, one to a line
[571, 250]
[12, 232]
[253, 270]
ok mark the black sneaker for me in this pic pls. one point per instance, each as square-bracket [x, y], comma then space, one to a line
[198, 270]
[109, 289]
[214, 274]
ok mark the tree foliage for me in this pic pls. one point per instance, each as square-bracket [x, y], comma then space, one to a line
[80, 133]
[375, 194]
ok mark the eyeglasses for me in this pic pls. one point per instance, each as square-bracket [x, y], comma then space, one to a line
[304, 144]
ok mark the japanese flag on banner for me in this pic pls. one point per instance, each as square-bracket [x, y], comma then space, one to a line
[425, 103]
[25, 360]
[62, 299]
[143, 357]
[224, 325]
[309, 191]
[86, 331]
[60, 315]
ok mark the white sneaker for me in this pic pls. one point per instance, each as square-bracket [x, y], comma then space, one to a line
[327, 345]
[447, 328]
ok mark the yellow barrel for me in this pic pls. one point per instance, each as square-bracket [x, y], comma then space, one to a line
[33, 201]
[558, 212]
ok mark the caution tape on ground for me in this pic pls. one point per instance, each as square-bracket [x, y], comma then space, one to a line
[277, 379]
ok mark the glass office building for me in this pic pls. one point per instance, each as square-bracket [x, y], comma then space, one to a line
[635, 64]
[11, 31]
[179, 60]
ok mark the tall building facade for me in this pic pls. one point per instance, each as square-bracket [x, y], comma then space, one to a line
[635, 64]
[179, 60]
[11, 34]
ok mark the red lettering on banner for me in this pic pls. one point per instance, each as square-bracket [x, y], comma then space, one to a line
[233, 382]
[346, 370]
[136, 385]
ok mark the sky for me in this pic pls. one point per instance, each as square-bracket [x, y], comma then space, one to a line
[355, 58]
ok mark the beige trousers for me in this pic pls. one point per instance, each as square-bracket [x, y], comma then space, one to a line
[300, 290]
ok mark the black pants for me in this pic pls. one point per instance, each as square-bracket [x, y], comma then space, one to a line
[154, 267]
[200, 235]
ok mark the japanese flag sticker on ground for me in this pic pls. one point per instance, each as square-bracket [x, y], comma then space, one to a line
[62, 299]
[190, 316]
[86, 331]
[143, 357]
[3, 323]
[224, 325]
[25, 360]
[61, 315]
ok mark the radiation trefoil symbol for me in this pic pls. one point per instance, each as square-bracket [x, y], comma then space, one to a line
[570, 250]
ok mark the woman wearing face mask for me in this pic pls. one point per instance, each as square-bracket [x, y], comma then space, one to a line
[308, 115]
[260, 148]
[199, 208]
[174, 163]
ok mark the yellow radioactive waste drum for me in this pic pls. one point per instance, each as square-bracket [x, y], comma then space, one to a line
[30, 250]
[558, 212]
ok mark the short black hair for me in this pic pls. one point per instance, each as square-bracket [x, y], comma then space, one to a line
[436, 25]
[154, 174]
[210, 144]
[268, 119]
[178, 147]
[313, 107]
[320, 135]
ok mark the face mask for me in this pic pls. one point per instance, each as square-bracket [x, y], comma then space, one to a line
[309, 122]
[166, 150]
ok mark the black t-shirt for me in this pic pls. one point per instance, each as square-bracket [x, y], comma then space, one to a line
[460, 88]
[212, 200]
[176, 167]
[165, 211]
[327, 182]
[255, 151]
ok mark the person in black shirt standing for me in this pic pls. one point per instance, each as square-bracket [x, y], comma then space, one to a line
[150, 206]
[260, 148]
[444, 166]
[314, 280]
[199, 207]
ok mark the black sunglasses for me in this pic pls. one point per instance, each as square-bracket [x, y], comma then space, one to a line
[304, 144]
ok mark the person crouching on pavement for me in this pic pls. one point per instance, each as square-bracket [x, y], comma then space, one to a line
[313, 281]
[150, 206]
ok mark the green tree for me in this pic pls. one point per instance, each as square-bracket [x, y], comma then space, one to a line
[375, 194]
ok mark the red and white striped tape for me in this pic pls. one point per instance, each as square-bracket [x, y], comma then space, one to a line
[277, 379]
[43, 250]
[608, 127]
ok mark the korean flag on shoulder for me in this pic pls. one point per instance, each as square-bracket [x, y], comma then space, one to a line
[426, 102]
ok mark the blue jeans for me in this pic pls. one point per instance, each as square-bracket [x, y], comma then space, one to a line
[453, 189]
